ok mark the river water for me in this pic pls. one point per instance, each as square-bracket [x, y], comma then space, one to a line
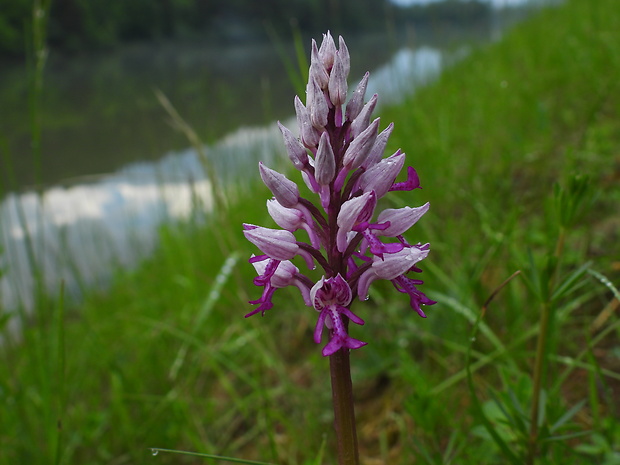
[113, 167]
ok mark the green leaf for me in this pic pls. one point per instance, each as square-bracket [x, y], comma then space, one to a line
[565, 437]
[572, 200]
[568, 415]
[571, 283]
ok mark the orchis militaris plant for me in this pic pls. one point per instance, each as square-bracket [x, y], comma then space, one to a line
[340, 156]
[339, 153]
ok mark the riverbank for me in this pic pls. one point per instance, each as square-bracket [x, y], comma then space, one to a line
[164, 358]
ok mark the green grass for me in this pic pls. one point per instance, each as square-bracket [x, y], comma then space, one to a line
[165, 359]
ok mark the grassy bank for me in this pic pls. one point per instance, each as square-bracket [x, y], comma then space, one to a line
[166, 359]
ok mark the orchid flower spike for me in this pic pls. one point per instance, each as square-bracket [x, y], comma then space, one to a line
[340, 154]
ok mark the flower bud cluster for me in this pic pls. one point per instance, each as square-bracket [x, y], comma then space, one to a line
[339, 153]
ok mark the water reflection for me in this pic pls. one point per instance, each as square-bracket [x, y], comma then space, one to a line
[406, 70]
[79, 233]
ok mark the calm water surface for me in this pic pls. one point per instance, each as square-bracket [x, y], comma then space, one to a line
[114, 168]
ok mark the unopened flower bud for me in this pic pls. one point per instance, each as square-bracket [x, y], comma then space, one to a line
[296, 151]
[283, 189]
[345, 58]
[361, 122]
[324, 162]
[357, 99]
[327, 51]
[359, 149]
[317, 69]
[376, 152]
[309, 135]
[338, 81]
[316, 104]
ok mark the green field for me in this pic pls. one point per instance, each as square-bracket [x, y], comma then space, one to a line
[504, 143]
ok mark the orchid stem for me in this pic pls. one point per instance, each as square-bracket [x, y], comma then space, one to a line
[344, 410]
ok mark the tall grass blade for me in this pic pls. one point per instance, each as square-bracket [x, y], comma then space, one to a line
[568, 415]
[192, 136]
[571, 283]
[606, 282]
[156, 450]
[59, 372]
[470, 316]
[214, 294]
[297, 72]
[477, 405]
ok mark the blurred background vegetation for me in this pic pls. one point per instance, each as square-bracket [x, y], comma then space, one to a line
[80, 25]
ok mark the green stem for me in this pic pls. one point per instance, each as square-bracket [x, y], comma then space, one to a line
[539, 364]
[344, 411]
[541, 353]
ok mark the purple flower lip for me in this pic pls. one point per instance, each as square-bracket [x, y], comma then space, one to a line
[273, 275]
[340, 156]
[331, 291]
[412, 182]
[330, 297]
